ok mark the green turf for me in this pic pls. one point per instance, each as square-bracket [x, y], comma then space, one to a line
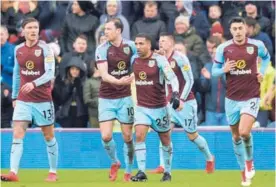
[180, 178]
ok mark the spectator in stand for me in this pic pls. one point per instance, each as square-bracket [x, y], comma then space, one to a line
[217, 30]
[150, 23]
[266, 85]
[168, 13]
[254, 31]
[214, 14]
[195, 16]
[251, 10]
[80, 21]
[183, 32]
[214, 89]
[51, 17]
[68, 92]
[16, 12]
[6, 106]
[91, 95]
[7, 57]
[114, 10]
[80, 47]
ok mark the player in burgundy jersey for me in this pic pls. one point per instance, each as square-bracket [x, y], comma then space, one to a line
[238, 59]
[33, 71]
[187, 117]
[115, 101]
[151, 72]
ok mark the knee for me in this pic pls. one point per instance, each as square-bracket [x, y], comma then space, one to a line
[18, 133]
[106, 137]
[192, 136]
[244, 133]
[127, 137]
[48, 137]
[140, 136]
[236, 137]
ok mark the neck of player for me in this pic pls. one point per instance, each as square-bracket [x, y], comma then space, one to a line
[31, 43]
[169, 53]
[240, 42]
[117, 42]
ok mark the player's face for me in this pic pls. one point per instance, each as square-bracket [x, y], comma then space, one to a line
[76, 8]
[80, 45]
[165, 43]
[74, 72]
[238, 31]
[4, 36]
[181, 48]
[143, 46]
[111, 32]
[31, 31]
[150, 12]
[111, 8]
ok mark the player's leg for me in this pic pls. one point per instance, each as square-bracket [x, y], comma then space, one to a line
[21, 119]
[52, 151]
[107, 113]
[44, 116]
[125, 115]
[232, 111]
[142, 123]
[249, 114]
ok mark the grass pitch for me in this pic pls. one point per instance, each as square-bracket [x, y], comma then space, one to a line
[99, 178]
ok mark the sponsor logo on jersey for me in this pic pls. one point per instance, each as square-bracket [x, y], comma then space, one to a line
[29, 71]
[151, 63]
[126, 50]
[142, 81]
[38, 52]
[122, 69]
[241, 64]
[121, 65]
[250, 50]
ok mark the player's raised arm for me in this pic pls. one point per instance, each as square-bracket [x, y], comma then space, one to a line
[186, 70]
[15, 77]
[49, 66]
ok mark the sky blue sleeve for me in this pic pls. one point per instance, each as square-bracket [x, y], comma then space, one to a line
[219, 58]
[49, 67]
[264, 55]
[15, 77]
[101, 53]
[184, 64]
[170, 76]
[133, 48]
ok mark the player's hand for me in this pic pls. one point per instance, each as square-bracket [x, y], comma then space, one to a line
[205, 73]
[180, 106]
[229, 65]
[160, 52]
[175, 100]
[6, 92]
[13, 103]
[260, 77]
[27, 88]
[125, 80]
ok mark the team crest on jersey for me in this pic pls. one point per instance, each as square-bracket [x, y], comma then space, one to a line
[126, 50]
[172, 64]
[250, 50]
[37, 52]
[151, 63]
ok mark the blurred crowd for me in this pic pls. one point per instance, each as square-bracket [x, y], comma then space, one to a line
[73, 29]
